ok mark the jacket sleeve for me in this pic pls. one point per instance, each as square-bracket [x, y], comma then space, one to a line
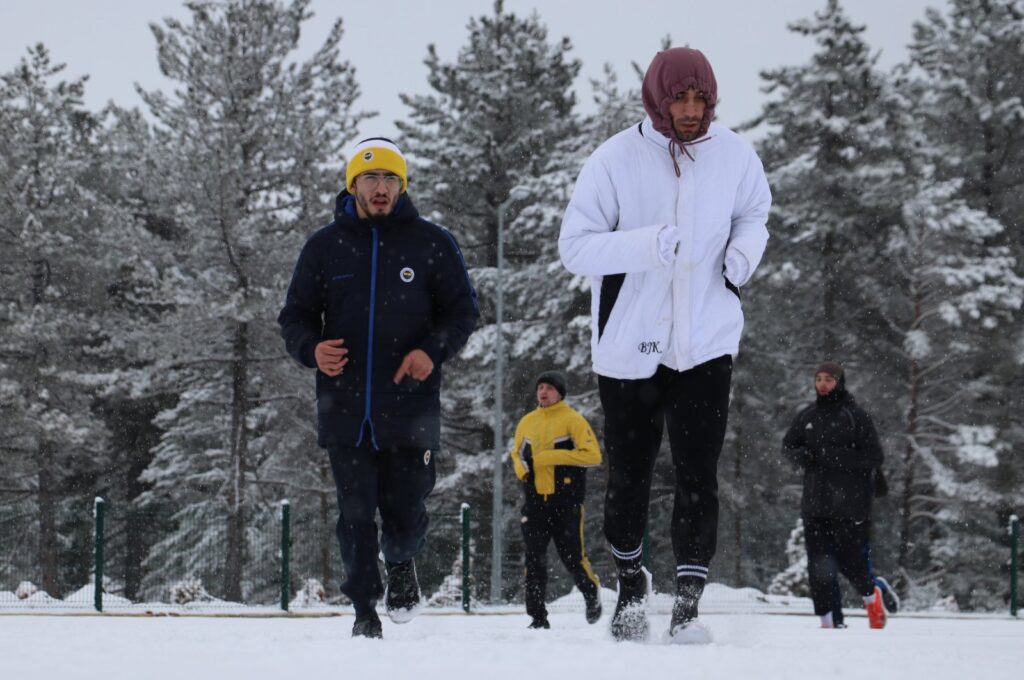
[749, 235]
[585, 454]
[455, 306]
[301, 318]
[517, 446]
[794, 444]
[589, 243]
[867, 440]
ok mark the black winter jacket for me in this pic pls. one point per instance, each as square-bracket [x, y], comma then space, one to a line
[835, 442]
[386, 286]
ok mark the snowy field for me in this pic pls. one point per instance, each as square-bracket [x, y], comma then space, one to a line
[451, 645]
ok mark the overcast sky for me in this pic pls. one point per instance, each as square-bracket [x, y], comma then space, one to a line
[387, 40]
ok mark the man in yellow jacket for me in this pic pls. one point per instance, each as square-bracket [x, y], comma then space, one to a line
[554, 446]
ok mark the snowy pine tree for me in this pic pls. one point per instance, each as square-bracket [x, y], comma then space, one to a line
[249, 146]
[494, 116]
[947, 284]
[794, 579]
[826, 150]
[500, 116]
[967, 87]
[55, 233]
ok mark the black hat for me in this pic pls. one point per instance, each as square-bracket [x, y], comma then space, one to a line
[554, 378]
[830, 367]
[836, 371]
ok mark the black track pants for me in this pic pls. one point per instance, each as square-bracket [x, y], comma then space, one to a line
[395, 481]
[836, 546]
[564, 524]
[694, 405]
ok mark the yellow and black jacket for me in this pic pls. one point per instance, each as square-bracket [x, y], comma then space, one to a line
[562, 446]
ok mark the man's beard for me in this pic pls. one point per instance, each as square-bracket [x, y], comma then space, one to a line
[370, 209]
[686, 136]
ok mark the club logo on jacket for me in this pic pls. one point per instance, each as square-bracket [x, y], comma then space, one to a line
[426, 457]
[407, 275]
[649, 347]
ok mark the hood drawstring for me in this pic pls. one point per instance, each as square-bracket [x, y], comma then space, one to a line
[673, 145]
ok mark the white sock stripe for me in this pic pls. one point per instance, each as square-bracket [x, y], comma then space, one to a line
[631, 555]
[692, 570]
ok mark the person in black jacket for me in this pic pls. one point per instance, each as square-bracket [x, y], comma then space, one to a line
[835, 442]
[378, 300]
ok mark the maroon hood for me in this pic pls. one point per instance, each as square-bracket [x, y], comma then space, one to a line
[673, 71]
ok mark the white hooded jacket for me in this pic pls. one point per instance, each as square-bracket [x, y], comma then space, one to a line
[678, 313]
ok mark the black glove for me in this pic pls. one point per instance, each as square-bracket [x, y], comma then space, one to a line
[526, 455]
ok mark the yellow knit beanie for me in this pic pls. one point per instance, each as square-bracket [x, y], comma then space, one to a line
[376, 153]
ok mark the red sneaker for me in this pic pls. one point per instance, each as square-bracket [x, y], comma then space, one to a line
[876, 610]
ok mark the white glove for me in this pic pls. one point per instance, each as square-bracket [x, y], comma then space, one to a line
[737, 269]
[668, 244]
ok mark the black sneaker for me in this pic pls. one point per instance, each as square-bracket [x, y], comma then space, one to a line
[685, 628]
[890, 599]
[540, 623]
[684, 608]
[629, 622]
[402, 595]
[593, 606]
[368, 625]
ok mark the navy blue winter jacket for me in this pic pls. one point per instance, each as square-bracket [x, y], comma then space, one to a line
[386, 286]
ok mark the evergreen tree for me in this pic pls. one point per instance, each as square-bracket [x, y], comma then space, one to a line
[966, 83]
[825, 148]
[946, 285]
[52, 275]
[494, 117]
[826, 151]
[248, 147]
[498, 118]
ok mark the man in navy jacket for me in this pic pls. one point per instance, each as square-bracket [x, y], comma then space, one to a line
[379, 299]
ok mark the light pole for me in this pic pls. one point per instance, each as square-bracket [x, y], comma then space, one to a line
[517, 193]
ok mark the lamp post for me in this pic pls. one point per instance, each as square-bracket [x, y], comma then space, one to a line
[517, 193]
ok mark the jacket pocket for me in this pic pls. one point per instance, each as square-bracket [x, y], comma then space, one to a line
[337, 288]
[570, 483]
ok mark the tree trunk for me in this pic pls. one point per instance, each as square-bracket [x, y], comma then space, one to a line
[240, 406]
[830, 285]
[48, 563]
[909, 459]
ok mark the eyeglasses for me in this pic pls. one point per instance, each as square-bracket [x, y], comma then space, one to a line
[372, 181]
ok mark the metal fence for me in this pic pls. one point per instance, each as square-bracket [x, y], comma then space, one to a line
[109, 560]
[154, 560]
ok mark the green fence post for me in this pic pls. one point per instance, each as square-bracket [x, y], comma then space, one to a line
[464, 518]
[97, 513]
[286, 542]
[1014, 544]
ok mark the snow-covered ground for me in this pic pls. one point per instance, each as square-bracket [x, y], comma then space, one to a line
[450, 645]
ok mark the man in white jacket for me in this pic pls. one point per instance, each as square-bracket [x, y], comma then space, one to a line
[668, 219]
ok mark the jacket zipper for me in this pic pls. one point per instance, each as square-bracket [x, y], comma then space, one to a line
[367, 420]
